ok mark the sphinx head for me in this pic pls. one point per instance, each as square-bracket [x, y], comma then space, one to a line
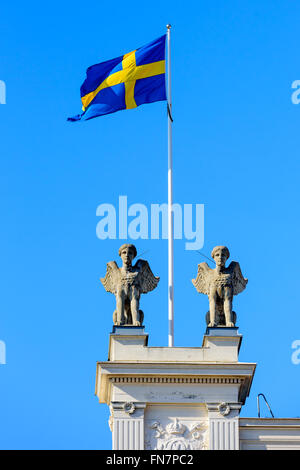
[128, 253]
[220, 254]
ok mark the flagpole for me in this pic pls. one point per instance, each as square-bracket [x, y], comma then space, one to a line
[170, 202]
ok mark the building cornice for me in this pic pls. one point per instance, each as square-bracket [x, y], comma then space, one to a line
[112, 373]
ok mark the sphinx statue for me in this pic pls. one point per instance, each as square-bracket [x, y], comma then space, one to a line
[127, 284]
[220, 284]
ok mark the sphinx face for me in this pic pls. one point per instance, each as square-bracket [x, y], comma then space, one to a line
[127, 256]
[220, 258]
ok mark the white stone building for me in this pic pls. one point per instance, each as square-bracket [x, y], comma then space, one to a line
[184, 398]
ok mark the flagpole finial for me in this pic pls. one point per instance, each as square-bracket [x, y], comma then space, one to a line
[169, 26]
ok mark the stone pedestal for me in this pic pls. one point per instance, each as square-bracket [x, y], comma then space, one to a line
[174, 398]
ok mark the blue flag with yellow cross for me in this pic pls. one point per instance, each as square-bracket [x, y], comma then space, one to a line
[125, 82]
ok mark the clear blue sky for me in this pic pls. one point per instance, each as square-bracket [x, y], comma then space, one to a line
[236, 150]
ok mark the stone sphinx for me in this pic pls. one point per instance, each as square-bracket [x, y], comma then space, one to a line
[127, 284]
[220, 284]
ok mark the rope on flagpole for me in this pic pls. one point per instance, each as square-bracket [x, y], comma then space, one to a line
[169, 112]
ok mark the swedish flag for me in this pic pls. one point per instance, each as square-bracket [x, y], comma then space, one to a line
[125, 82]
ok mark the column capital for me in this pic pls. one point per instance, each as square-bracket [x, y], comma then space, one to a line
[127, 407]
[223, 409]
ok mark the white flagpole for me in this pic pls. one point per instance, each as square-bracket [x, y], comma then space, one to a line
[170, 202]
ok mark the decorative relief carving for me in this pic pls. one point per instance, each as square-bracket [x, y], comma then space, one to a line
[176, 436]
[224, 409]
[129, 407]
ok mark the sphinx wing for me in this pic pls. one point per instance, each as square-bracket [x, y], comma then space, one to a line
[148, 281]
[238, 280]
[202, 280]
[111, 277]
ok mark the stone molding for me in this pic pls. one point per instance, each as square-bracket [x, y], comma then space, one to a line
[189, 380]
